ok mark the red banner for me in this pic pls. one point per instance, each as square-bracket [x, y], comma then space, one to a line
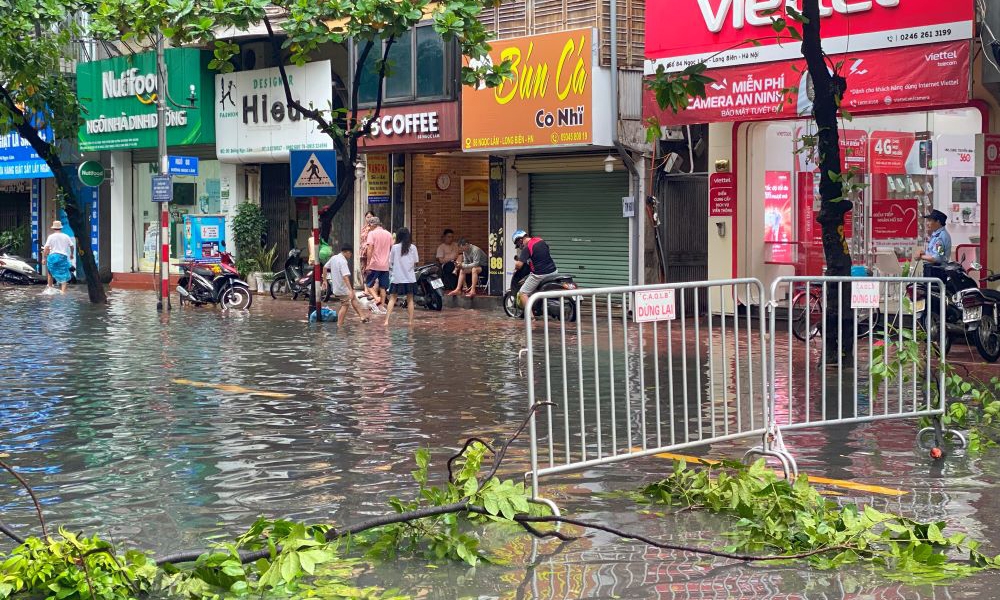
[778, 214]
[894, 219]
[682, 32]
[722, 195]
[853, 152]
[898, 78]
[891, 151]
[988, 155]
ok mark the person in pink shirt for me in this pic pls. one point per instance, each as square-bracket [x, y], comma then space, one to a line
[379, 244]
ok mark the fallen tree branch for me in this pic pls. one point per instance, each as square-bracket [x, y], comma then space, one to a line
[31, 492]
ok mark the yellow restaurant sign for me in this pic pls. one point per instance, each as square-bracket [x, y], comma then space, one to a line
[548, 102]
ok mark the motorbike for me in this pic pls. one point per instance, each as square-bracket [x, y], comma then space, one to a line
[429, 284]
[557, 307]
[16, 270]
[216, 283]
[295, 279]
[969, 311]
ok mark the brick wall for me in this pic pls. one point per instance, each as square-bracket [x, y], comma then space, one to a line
[433, 210]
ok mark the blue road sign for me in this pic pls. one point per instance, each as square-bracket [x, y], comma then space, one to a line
[163, 188]
[314, 172]
[182, 165]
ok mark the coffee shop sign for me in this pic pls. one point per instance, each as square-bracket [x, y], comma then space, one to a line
[420, 125]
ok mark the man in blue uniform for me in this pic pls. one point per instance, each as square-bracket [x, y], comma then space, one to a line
[938, 250]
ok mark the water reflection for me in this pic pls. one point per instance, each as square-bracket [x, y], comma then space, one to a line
[91, 411]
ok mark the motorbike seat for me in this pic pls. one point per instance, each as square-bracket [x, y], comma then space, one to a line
[991, 294]
[204, 272]
[554, 277]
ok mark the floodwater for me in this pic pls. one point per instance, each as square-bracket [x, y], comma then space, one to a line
[106, 411]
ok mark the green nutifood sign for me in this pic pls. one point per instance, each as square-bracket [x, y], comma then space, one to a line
[119, 96]
[91, 173]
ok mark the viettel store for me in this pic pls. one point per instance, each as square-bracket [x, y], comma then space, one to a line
[551, 129]
[911, 141]
[118, 97]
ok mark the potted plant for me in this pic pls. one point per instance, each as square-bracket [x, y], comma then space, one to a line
[264, 258]
[249, 227]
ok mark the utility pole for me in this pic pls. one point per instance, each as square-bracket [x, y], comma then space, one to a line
[161, 132]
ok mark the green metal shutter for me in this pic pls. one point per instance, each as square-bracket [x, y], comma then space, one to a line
[580, 216]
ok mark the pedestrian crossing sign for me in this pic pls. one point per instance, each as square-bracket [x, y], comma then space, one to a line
[314, 172]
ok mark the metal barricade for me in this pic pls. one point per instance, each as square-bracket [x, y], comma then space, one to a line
[885, 365]
[624, 372]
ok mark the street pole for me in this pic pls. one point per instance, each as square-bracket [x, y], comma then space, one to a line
[317, 295]
[161, 132]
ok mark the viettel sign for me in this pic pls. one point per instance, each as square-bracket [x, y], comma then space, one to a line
[119, 97]
[682, 32]
[556, 97]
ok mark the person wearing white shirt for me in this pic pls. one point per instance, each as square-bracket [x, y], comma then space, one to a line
[57, 255]
[339, 271]
[403, 260]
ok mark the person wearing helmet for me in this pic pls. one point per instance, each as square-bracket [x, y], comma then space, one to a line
[535, 252]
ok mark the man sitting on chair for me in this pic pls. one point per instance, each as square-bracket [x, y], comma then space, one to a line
[474, 260]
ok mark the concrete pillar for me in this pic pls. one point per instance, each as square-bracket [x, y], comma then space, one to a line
[232, 192]
[122, 215]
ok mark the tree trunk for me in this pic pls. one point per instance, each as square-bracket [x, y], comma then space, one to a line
[829, 89]
[79, 219]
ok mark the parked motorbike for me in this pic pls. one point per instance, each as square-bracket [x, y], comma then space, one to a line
[16, 270]
[555, 282]
[214, 284]
[429, 285]
[296, 279]
[969, 311]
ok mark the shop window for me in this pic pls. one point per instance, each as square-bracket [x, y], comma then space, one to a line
[419, 64]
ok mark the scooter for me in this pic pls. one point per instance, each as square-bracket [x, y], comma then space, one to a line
[16, 270]
[295, 279]
[429, 284]
[969, 312]
[558, 308]
[214, 284]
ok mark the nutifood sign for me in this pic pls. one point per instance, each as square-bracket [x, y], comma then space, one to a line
[119, 97]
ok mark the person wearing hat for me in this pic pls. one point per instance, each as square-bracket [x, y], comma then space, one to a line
[57, 254]
[938, 249]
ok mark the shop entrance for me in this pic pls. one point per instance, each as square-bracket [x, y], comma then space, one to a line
[905, 165]
[580, 216]
[15, 215]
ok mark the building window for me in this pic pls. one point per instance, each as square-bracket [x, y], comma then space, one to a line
[404, 81]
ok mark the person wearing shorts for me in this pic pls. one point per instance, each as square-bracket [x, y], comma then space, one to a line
[339, 271]
[474, 262]
[403, 264]
[535, 252]
[379, 244]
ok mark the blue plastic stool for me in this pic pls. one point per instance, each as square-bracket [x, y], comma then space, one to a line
[328, 315]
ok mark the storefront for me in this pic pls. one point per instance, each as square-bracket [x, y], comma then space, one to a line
[256, 129]
[910, 141]
[23, 177]
[118, 97]
[552, 126]
[415, 175]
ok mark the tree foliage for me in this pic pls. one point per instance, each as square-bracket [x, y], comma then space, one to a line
[297, 29]
[38, 41]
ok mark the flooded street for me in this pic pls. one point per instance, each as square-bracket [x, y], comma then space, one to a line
[114, 414]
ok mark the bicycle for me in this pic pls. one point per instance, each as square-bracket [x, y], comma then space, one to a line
[811, 316]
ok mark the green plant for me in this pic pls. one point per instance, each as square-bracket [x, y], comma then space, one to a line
[265, 257]
[246, 266]
[15, 238]
[794, 520]
[249, 227]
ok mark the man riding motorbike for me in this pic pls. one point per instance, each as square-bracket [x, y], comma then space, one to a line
[535, 252]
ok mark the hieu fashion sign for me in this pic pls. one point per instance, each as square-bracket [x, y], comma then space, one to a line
[253, 120]
[119, 96]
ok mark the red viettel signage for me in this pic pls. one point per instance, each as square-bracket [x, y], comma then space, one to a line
[896, 78]
[419, 127]
[853, 151]
[988, 155]
[683, 32]
[722, 195]
[892, 152]
[894, 219]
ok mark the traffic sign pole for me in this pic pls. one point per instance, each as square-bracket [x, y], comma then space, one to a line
[317, 267]
[161, 130]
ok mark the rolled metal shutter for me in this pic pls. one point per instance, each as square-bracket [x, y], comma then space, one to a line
[580, 216]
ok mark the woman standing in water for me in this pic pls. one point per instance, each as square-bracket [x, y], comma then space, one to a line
[402, 272]
[56, 253]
